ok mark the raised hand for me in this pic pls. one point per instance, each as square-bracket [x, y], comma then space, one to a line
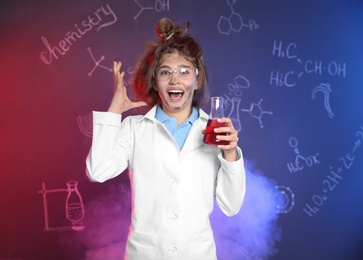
[120, 101]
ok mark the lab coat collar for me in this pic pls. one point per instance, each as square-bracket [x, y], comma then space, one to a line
[195, 138]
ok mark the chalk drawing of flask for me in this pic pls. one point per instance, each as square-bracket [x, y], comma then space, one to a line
[74, 206]
[234, 114]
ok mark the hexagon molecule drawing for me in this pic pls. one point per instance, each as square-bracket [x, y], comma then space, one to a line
[234, 23]
[256, 111]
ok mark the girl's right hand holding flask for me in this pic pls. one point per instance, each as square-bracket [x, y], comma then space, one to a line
[216, 113]
[220, 130]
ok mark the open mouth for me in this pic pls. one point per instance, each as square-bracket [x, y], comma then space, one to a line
[175, 94]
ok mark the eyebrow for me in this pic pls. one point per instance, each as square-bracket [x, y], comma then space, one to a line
[179, 66]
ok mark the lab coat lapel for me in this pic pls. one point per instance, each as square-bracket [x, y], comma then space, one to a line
[195, 137]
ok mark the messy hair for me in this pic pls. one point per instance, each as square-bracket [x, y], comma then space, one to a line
[172, 38]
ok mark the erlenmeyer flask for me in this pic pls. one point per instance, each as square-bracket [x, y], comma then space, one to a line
[234, 114]
[216, 112]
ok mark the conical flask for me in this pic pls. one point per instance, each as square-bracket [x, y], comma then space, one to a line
[234, 114]
[216, 112]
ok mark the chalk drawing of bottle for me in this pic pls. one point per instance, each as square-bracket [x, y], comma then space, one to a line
[74, 206]
[234, 114]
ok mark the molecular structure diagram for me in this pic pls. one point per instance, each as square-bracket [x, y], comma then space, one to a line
[234, 22]
[159, 6]
[256, 111]
[301, 161]
[97, 62]
[233, 99]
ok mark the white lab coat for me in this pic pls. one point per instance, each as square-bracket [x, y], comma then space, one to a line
[173, 191]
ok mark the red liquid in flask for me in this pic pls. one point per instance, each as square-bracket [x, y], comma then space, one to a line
[210, 137]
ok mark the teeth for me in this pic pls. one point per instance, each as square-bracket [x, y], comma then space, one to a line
[175, 91]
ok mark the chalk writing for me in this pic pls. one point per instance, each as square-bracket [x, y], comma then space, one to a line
[233, 100]
[234, 22]
[97, 63]
[239, 83]
[290, 78]
[325, 88]
[300, 161]
[159, 6]
[284, 199]
[73, 207]
[334, 177]
[101, 18]
[85, 124]
[249, 251]
[256, 111]
[234, 113]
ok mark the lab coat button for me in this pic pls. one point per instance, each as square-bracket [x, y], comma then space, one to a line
[173, 249]
[174, 217]
[174, 183]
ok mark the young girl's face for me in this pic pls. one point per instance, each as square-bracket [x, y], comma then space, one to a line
[176, 80]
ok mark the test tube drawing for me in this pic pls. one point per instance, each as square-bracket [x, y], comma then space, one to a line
[234, 113]
[74, 208]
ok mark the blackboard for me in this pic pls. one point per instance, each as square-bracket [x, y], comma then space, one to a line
[291, 75]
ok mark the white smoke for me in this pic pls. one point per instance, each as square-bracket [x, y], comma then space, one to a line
[249, 235]
[106, 222]
[253, 232]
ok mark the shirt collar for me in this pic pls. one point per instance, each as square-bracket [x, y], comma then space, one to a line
[162, 116]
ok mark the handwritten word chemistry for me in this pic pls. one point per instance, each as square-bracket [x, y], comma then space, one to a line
[101, 18]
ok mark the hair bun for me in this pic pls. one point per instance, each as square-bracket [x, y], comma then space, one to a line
[166, 29]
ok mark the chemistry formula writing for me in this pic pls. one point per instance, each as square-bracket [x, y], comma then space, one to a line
[159, 5]
[334, 177]
[301, 161]
[290, 78]
[101, 18]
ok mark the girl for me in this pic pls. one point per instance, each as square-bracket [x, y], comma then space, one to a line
[174, 177]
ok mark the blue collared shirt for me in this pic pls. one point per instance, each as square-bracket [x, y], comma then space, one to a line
[179, 132]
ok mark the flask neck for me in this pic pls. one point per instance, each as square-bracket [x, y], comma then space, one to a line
[72, 186]
[217, 107]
